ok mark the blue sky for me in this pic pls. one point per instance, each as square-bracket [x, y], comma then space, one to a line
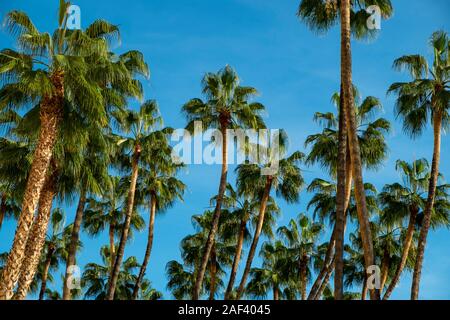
[296, 72]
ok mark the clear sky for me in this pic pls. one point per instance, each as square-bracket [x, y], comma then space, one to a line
[296, 73]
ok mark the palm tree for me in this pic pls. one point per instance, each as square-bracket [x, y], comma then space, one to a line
[145, 137]
[425, 97]
[287, 182]
[161, 189]
[95, 279]
[274, 275]
[48, 70]
[321, 16]
[301, 237]
[227, 107]
[371, 137]
[8, 203]
[407, 201]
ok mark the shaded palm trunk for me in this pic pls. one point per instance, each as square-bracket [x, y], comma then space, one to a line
[50, 118]
[2, 210]
[36, 240]
[340, 203]
[126, 227]
[217, 212]
[364, 289]
[276, 293]
[355, 154]
[48, 261]
[148, 250]
[237, 258]
[303, 275]
[213, 273]
[74, 238]
[385, 264]
[252, 251]
[437, 126]
[406, 247]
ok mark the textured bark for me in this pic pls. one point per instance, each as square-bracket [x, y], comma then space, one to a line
[340, 204]
[74, 238]
[406, 247]
[148, 250]
[252, 251]
[437, 126]
[50, 117]
[126, 227]
[36, 240]
[217, 212]
[355, 154]
[48, 261]
[237, 258]
[303, 275]
[213, 273]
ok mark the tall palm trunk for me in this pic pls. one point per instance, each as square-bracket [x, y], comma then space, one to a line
[213, 273]
[148, 250]
[112, 246]
[251, 253]
[314, 293]
[74, 238]
[237, 258]
[2, 209]
[340, 203]
[48, 261]
[437, 127]
[36, 240]
[126, 226]
[303, 275]
[50, 118]
[355, 154]
[217, 211]
[406, 247]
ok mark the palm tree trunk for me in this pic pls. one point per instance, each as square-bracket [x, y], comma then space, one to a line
[74, 238]
[364, 289]
[126, 227]
[437, 126]
[50, 117]
[2, 209]
[112, 246]
[303, 275]
[406, 247]
[217, 212]
[36, 240]
[237, 258]
[276, 293]
[48, 261]
[384, 268]
[251, 253]
[355, 154]
[340, 204]
[148, 250]
[213, 274]
[329, 272]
